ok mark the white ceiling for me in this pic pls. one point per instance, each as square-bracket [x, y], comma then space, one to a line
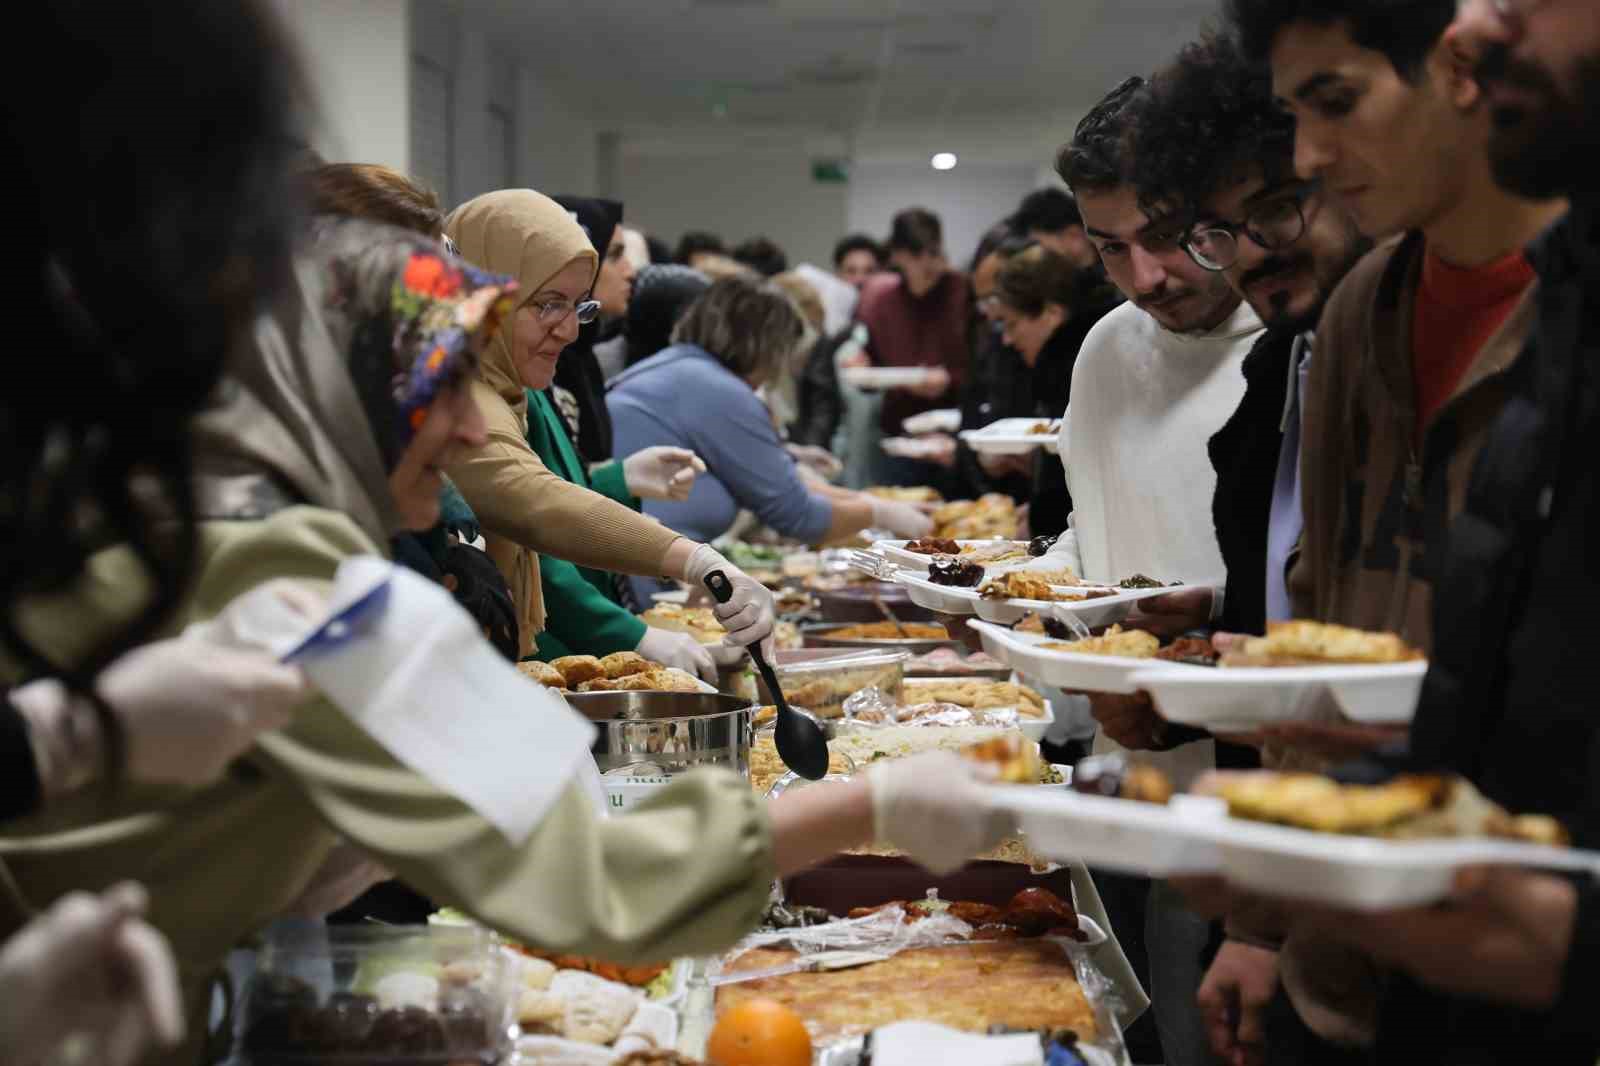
[1004, 80]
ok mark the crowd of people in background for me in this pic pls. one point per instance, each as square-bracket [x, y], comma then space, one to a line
[1310, 304]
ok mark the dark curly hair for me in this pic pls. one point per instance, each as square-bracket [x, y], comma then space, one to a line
[1036, 276]
[151, 217]
[857, 242]
[1096, 159]
[1405, 31]
[1208, 118]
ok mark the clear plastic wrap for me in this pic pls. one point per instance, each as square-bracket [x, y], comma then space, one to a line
[871, 707]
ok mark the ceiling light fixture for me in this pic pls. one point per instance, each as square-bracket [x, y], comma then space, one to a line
[943, 161]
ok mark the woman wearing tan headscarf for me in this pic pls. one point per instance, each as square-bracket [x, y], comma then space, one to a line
[525, 508]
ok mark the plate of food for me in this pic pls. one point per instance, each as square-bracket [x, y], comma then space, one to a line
[1014, 436]
[1370, 847]
[914, 447]
[1107, 662]
[874, 378]
[1120, 816]
[1286, 675]
[1011, 597]
[991, 515]
[944, 420]
[984, 552]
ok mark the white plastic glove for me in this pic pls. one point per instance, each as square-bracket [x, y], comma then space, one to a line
[750, 614]
[89, 966]
[901, 519]
[662, 473]
[187, 706]
[820, 460]
[936, 809]
[680, 650]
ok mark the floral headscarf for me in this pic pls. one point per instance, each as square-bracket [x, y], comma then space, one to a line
[341, 374]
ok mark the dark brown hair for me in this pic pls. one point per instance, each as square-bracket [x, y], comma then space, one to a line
[916, 230]
[1036, 276]
[375, 193]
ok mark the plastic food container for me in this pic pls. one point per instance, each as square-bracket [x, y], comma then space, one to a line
[821, 679]
[380, 996]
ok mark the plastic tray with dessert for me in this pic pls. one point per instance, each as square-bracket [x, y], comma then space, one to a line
[914, 637]
[821, 679]
[1107, 662]
[915, 959]
[1033, 713]
[1287, 675]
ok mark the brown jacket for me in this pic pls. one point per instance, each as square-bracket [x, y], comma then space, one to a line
[526, 509]
[1362, 561]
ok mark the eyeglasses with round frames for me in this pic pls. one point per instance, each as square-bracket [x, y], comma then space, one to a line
[1274, 224]
[553, 312]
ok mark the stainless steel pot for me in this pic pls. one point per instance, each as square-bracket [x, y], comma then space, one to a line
[674, 731]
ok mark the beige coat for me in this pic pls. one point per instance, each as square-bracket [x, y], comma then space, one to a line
[524, 508]
[687, 874]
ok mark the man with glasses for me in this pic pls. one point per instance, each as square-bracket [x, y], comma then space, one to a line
[1411, 369]
[1507, 970]
[1283, 244]
[1154, 380]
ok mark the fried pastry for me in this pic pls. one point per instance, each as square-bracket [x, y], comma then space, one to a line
[622, 663]
[543, 673]
[1302, 643]
[577, 669]
[1115, 641]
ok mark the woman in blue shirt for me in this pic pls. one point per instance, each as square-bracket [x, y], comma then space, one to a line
[700, 393]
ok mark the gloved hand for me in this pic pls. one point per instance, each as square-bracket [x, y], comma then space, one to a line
[680, 650]
[90, 965]
[662, 473]
[901, 519]
[189, 707]
[750, 614]
[811, 457]
[935, 808]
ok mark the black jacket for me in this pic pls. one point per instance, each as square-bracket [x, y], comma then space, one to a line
[821, 404]
[1510, 698]
[1244, 453]
[998, 389]
[578, 371]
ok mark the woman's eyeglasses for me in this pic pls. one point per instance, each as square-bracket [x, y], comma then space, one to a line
[553, 312]
[1273, 224]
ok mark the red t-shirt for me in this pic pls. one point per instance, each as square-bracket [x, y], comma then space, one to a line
[1457, 310]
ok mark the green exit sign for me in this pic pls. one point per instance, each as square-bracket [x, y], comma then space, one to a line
[830, 171]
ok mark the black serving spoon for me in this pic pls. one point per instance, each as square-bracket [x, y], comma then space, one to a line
[802, 745]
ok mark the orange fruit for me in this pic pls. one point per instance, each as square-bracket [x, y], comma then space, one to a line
[759, 1033]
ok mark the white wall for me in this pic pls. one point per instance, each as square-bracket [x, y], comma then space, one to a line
[736, 195]
[358, 58]
[556, 144]
[968, 199]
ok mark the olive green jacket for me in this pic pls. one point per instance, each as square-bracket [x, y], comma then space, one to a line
[687, 873]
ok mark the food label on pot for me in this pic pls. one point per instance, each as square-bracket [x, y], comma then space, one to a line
[628, 792]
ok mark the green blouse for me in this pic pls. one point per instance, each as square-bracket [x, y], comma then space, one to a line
[582, 615]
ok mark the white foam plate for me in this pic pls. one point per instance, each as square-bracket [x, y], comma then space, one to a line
[1116, 834]
[1032, 728]
[678, 596]
[884, 377]
[912, 447]
[1076, 671]
[1095, 613]
[944, 420]
[1369, 874]
[1010, 436]
[1238, 699]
